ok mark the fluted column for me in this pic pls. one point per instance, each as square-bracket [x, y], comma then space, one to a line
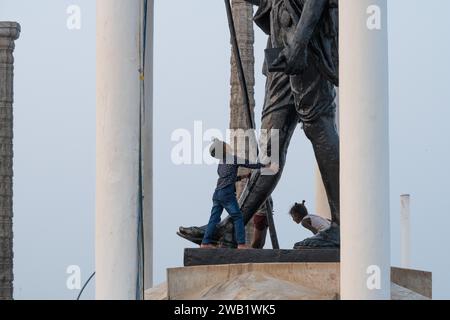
[9, 32]
[243, 20]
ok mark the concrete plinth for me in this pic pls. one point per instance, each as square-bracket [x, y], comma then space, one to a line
[276, 281]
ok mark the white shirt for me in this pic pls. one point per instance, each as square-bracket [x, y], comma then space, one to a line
[318, 223]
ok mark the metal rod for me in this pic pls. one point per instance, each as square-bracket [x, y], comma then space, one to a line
[271, 223]
[240, 67]
[245, 96]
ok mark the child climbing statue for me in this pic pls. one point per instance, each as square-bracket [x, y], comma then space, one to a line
[225, 194]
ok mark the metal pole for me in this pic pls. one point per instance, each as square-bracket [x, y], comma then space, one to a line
[405, 231]
[272, 229]
[240, 67]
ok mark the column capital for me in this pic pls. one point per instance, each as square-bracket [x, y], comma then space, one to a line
[9, 30]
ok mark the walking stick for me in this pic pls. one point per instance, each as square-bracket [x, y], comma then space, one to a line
[245, 96]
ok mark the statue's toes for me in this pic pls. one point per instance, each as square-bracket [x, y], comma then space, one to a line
[192, 232]
[195, 240]
[183, 230]
[307, 243]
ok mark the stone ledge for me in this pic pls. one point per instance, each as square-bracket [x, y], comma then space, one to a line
[414, 280]
[201, 257]
[277, 281]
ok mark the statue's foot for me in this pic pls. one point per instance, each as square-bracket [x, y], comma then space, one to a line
[223, 237]
[329, 238]
[193, 234]
[191, 239]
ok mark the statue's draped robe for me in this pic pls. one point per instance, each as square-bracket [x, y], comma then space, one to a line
[313, 90]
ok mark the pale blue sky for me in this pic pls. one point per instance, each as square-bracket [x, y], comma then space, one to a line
[55, 135]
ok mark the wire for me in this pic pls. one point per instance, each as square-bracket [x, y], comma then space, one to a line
[140, 281]
[85, 285]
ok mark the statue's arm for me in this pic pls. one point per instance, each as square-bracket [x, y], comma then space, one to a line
[295, 54]
[312, 12]
[254, 2]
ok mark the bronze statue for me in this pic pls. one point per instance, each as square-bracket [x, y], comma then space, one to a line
[305, 32]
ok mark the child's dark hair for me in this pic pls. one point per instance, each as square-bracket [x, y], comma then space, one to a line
[299, 209]
[217, 144]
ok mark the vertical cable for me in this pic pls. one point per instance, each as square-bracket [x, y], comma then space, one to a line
[140, 281]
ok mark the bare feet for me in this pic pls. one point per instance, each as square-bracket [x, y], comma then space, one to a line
[243, 247]
[207, 246]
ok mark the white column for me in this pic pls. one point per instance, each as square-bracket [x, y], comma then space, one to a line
[364, 161]
[148, 150]
[405, 231]
[119, 25]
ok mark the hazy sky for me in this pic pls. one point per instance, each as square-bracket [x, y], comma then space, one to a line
[55, 135]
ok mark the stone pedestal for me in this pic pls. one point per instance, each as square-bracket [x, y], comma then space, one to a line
[313, 274]
[9, 32]
[276, 281]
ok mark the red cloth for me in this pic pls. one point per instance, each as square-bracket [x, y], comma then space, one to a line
[260, 222]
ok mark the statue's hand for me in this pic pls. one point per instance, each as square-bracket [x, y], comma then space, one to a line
[295, 58]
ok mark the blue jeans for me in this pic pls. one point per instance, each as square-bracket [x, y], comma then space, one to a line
[225, 199]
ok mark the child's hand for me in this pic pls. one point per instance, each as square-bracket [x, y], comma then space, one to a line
[275, 167]
[272, 168]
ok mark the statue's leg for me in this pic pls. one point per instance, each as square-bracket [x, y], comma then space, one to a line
[314, 97]
[325, 140]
